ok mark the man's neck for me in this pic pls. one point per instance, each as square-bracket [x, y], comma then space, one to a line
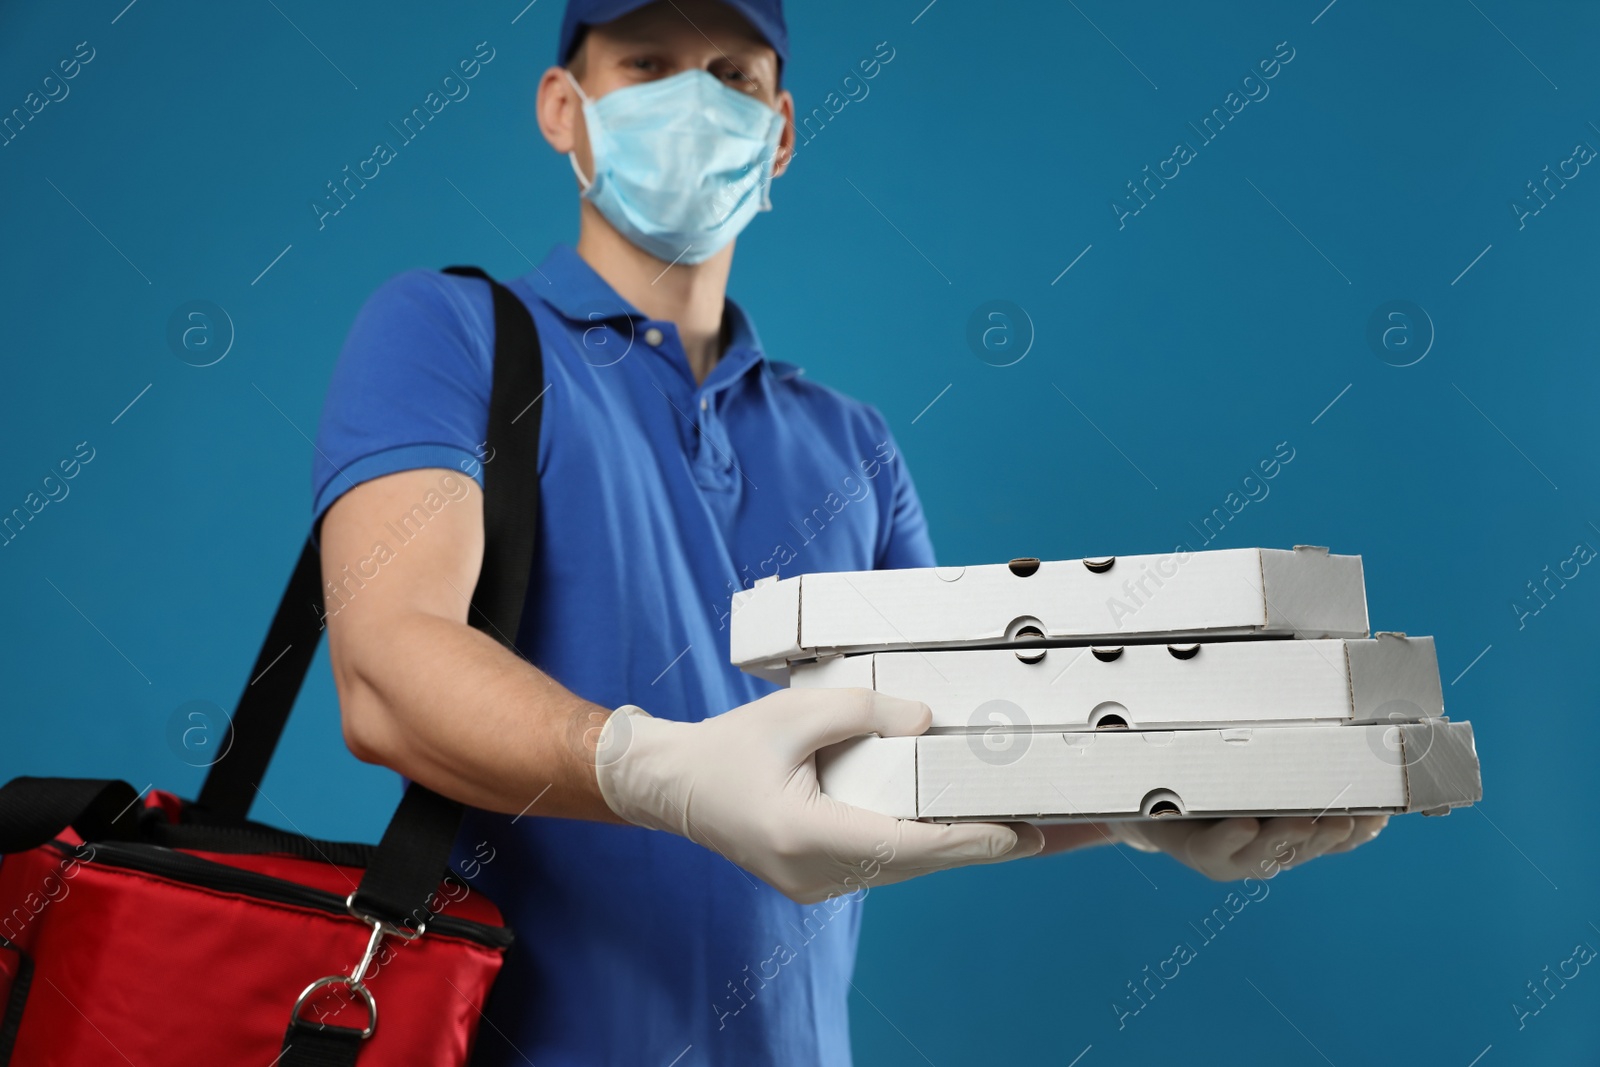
[689, 295]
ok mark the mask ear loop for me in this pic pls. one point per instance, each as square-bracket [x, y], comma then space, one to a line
[572, 157]
[768, 166]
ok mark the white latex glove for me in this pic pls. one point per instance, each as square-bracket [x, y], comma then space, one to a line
[1228, 850]
[744, 784]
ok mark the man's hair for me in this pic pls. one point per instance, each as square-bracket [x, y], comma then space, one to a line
[578, 58]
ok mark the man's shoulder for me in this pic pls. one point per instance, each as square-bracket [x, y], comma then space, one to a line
[822, 401]
[422, 316]
[421, 339]
[412, 383]
[428, 292]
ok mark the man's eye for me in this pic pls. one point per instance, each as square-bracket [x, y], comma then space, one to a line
[647, 66]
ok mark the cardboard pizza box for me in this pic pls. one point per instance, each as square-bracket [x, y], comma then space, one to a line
[1066, 776]
[1251, 592]
[1387, 679]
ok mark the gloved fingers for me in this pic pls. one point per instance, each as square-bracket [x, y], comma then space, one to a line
[924, 848]
[1127, 832]
[904, 845]
[1231, 849]
[1366, 828]
[816, 718]
[1333, 831]
[1215, 847]
[1278, 842]
[1203, 844]
[1328, 831]
[847, 849]
[1027, 841]
[1030, 842]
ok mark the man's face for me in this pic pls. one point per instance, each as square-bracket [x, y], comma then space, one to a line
[672, 36]
[658, 41]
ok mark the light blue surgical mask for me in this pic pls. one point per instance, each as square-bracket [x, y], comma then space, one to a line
[682, 164]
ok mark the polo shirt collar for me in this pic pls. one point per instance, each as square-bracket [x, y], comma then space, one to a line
[569, 285]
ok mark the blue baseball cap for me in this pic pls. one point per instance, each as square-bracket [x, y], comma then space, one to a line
[765, 15]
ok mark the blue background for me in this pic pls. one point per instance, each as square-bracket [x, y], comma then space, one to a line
[1222, 319]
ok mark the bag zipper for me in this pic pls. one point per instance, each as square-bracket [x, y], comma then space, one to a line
[182, 867]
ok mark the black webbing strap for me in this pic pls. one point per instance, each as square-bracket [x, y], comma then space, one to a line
[411, 858]
[264, 706]
[308, 1045]
[12, 1004]
[511, 467]
[404, 873]
[35, 810]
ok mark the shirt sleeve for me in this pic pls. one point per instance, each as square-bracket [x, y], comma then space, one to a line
[905, 541]
[411, 386]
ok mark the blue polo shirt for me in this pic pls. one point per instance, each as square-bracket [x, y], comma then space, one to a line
[659, 498]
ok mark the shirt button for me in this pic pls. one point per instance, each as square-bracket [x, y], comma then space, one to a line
[704, 403]
[652, 337]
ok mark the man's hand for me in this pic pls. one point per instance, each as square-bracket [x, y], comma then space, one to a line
[744, 784]
[1228, 850]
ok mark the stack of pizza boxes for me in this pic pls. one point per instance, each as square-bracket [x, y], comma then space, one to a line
[1238, 682]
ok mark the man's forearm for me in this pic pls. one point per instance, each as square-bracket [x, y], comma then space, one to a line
[448, 706]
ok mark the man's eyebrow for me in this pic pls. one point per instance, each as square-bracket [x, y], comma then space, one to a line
[709, 41]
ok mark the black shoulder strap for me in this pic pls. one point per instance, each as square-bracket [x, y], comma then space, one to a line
[34, 810]
[270, 693]
[510, 466]
[404, 873]
[405, 870]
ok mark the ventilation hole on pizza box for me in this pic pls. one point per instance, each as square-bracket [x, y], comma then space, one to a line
[1161, 804]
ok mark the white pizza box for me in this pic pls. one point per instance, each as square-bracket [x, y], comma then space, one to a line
[1064, 776]
[1391, 678]
[1246, 592]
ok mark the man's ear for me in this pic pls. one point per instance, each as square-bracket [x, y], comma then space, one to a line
[560, 113]
[787, 139]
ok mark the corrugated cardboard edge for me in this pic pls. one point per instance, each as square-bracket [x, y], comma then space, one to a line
[835, 672]
[764, 625]
[1349, 678]
[1394, 678]
[1313, 593]
[1266, 604]
[1441, 762]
